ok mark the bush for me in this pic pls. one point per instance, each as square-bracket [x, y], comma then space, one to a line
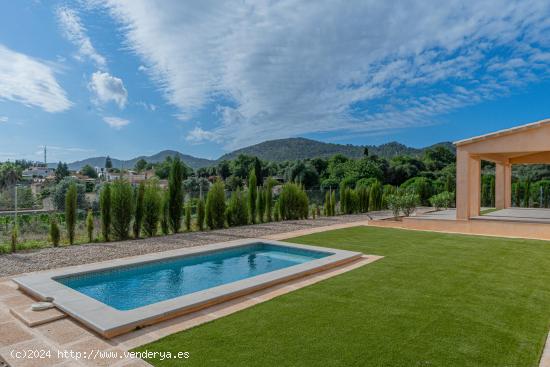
[175, 193]
[293, 202]
[421, 186]
[276, 212]
[326, 206]
[237, 210]
[443, 200]
[362, 199]
[333, 203]
[375, 196]
[55, 234]
[215, 206]
[105, 207]
[138, 217]
[122, 208]
[348, 200]
[404, 201]
[14, 234]
[394, 204]
[188, 216]
[70, 211]
[90, 225]
[151, 209]
[252, 194]
[200, 214]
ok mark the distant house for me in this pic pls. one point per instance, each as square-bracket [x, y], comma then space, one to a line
[38, 172]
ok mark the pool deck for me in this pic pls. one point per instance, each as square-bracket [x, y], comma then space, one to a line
[55, 332]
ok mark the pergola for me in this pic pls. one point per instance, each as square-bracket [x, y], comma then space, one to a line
[526, 144]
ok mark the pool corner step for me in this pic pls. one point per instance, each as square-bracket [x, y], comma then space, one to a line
[31, 318]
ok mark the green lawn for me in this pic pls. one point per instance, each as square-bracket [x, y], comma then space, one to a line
[434, 300]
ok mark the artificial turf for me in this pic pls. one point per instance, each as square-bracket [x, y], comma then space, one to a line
[433, 300]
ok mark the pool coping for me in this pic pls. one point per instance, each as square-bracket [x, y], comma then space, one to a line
[110, 322]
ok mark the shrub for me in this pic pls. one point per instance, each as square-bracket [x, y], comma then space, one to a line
[138, 217]
[14, 233]
[386, 191]
[164, 214]
[375, 196]
[215, 206]
[362, 199]
[70, 211]
[188, 216]
[276, 212]
[55, 234]
[333, 203]
[443, 200]
[409, 202]
[293, 202]
[313, 212]
[175, 193]
[105, 207]
[122, 208]
[252, 193]
[151, 209]
[90, 225]
[237, 210]
[326, 207]
[269, 201]
[421, 186]
[200, 214]
[394, 204]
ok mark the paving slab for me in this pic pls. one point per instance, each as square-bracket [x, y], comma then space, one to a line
[34, 318]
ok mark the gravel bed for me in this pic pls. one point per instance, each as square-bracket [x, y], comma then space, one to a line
[49, 258]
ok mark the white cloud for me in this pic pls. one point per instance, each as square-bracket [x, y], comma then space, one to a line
[274, 69]
[108, 88]
[3, 119]
[74, 31]
[116, 123]
[30, 81]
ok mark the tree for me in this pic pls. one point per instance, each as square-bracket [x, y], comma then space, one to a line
[215, 206]
[224, 169]
[165, 214]
[242, 165]
[54, 231]
[269, 200]
[61, 172]
[108, 163]
[237, 210]
[200, 214]
[122, 208]
[303, 173]
[138, 217]
[252, 195]
[375, 196]
[293, 202]
[60, 191]
[366, 151]
[10, 174]
[140, 165]
[105, 207]
[175, 194]
[437, 158]
[70, 211]
[188, 216]
[258, 171]
[151, 208]
[260, 205]
[89, 171]
[90, 225]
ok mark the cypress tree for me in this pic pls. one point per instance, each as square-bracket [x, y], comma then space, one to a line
[54, 231]
[70, 211]
[188, 216]
[333, 203]
[260, 205]
[215, 206]
[269, 201]
[175, 192]
[105, 206]
[152, 202]
[122, 208]
[90, 225]
[164, 214]
[138, 217]
[252, 195]
[200, 214]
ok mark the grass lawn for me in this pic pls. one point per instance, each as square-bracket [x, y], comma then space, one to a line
[434, 300]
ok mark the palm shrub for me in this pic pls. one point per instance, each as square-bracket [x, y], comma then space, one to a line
[188, 216]
[375, 197]
[215, 206]
[55, 234]
[122, 208]
[237, 210]
[362, 199]
[164, 214]
[200, 214]
[90, 225]
[252, 195]
[260, 205]
[138, 205]
[269, 201]
[70, 211]
[151, 208]
[293, 202]
[105, 210]
[175, 192]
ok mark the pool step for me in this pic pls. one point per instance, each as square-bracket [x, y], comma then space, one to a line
[31, 318]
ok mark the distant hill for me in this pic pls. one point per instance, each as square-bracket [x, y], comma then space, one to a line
[273, 150]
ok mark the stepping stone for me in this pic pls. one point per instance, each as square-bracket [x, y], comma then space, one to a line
[34, 318]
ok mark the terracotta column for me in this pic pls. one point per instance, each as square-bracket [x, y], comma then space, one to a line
[503, 185]
[468, 185]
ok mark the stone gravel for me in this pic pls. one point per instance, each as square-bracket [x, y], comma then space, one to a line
[50, 258]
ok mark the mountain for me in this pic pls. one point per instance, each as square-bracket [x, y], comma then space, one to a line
[273, 150]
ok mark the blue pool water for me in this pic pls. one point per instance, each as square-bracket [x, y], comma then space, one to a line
[138, 285]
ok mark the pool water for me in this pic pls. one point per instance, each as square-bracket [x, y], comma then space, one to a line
[130, 287]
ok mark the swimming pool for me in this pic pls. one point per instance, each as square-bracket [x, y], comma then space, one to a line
[130, 287]
[117, 296]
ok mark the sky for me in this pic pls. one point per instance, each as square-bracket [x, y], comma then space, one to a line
[134, 77]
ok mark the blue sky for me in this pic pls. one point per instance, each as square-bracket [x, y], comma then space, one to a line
[132, 77]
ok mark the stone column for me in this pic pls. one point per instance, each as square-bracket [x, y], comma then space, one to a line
[468, 185]
[503, 185]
